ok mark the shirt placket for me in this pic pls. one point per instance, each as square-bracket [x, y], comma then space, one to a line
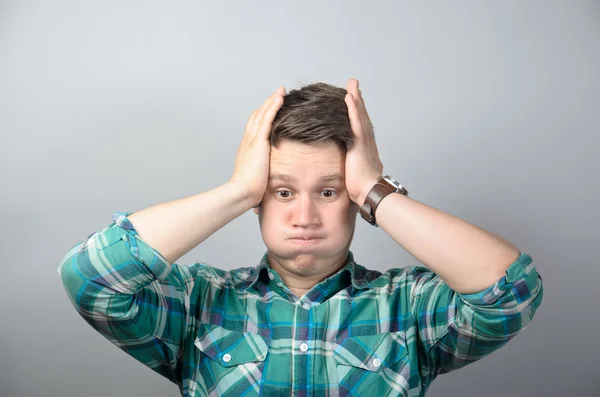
[303, 350]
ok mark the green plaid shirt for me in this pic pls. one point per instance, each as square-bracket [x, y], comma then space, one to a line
[243, 333]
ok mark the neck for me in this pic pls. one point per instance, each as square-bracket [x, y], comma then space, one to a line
[301, 282]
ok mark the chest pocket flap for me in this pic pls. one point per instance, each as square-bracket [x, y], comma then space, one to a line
[230, 348]
[371, 352]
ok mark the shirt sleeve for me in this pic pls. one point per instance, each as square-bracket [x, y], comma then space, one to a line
[457, 329]
[130, 294]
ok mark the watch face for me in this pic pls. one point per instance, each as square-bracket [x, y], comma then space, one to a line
[396, 184]
[392, 181]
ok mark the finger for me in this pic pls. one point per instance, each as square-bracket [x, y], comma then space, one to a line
[249, 124]
[352, 86]
[264, 128]
[361, 113]
[354, 115]
[265, 106]
[354, 89]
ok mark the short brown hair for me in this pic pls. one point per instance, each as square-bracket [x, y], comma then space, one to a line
[314, 114]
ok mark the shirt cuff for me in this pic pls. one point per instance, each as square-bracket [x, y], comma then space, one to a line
[141, 250]
[521, 275]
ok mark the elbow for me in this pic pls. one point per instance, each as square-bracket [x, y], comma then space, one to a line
[70, 275]
[505, 309]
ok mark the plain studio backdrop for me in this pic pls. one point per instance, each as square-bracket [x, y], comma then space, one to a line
[486, 110]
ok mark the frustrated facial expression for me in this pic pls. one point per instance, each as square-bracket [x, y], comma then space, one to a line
[306, 217]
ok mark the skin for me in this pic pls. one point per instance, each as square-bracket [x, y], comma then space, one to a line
[302, 204]
[468, 258]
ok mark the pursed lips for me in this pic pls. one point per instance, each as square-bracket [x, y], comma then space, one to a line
[305, 240]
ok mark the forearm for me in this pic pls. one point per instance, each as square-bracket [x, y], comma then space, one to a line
[468, 258]
[176, 227]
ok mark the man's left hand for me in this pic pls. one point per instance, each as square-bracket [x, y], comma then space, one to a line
[363, 166]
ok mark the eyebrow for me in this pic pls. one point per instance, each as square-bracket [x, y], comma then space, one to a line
[290, 179]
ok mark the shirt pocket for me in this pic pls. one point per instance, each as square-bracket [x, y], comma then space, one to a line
[373, 364]
[229, 362]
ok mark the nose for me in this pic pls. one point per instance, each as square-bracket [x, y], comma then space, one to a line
[305, 212]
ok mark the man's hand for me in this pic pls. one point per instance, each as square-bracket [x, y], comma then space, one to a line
[252, 161]
[363, 166]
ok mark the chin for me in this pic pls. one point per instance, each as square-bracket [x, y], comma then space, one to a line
[304, 260]
[300, 257]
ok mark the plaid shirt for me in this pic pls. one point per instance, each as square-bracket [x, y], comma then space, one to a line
[243, 333]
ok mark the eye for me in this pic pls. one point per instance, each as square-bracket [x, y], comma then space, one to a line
[284, 194]
[328, 193]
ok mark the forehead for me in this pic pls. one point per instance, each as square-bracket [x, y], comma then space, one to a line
[294, 161]
[298, 151]
[288, 178]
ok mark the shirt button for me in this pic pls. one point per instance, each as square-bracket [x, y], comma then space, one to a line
[306, 306]
[227, 358]
[376, 362]
[304, 347]
[271, 276]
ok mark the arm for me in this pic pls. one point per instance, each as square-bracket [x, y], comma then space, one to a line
[123, 280]
[175, 228]
[456, 324]
[467, 258]
[122, 288]
[456, 329]
[129, 292]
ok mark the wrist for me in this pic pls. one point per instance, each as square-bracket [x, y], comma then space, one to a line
[243, 194]
[367, 186]
[382, 188]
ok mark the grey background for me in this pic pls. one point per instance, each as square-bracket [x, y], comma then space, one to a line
[486, 110]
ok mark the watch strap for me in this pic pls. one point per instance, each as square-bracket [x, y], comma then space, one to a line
[377, 193]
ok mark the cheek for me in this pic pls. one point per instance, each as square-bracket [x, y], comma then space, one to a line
[270, 217]
[342, 216]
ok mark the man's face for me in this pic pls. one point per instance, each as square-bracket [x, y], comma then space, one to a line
[306, 217]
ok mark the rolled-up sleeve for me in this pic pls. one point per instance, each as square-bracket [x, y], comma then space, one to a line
[458, 329]
[130, 294]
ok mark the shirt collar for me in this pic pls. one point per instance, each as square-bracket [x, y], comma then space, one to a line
[358, 273]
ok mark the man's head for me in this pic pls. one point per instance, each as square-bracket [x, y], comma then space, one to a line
[316, 113]
[306, 195]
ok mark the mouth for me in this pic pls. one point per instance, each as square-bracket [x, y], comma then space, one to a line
[305, 240]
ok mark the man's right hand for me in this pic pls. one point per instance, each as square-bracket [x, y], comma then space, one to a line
[251, 171]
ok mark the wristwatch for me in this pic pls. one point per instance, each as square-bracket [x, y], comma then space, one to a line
[384, 186]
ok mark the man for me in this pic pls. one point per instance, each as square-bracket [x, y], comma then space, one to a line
[308, 320]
